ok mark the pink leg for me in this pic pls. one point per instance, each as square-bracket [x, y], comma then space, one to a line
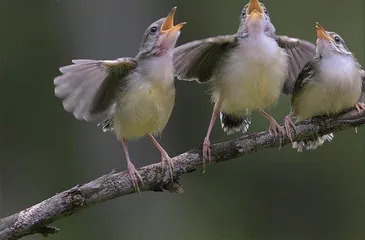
[359, 106]
[274, 128]
[206, 144]
[288, 122]
[164, 156]
[133, 173]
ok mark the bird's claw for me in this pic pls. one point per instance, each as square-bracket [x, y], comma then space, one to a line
[360, 106]
[206, 152]
[166, 159]
[135, 176]
[289, 124]
[275, 129]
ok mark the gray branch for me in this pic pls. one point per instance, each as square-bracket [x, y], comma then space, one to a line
[37, 218]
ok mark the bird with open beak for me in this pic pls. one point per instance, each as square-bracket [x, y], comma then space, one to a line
[248, 70]
[133, 97]
[330, 83]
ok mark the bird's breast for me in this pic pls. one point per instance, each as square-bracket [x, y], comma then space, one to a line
[158, 70]
[336, 88]
[144, 107]
[253, 76]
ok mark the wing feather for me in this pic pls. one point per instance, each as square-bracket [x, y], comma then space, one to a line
[87, 87]
[198, 60]
[299, 53]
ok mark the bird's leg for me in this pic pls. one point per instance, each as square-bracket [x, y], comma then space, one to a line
[164, 156]
[288, 123]
[133, 173]
[274, 128]
[206, 144]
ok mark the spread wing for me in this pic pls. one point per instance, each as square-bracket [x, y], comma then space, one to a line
[88, 87]
[197, 60]
[299, 53]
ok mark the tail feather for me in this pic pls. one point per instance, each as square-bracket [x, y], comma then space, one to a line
[311, 144]
[107, 125]
[232, 124]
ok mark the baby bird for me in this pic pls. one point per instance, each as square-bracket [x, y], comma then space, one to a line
[248, 70]
[133, 96]
[330, 83]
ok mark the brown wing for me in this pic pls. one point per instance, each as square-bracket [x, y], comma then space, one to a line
[197, 60]
[88, 87]
[299, 53]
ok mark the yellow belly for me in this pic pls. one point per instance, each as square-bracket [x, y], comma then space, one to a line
[262, 93]
[251, 80]
[259, 87]
[143, 110]
[322, 101]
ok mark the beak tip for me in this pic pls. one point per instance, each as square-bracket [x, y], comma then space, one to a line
[172, 12]
[254, 5]
[168, 24]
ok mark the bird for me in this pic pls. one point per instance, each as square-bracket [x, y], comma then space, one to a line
[330, 83]
[131, 97]
[247, 71]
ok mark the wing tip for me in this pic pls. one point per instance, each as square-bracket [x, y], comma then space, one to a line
[57, 92]
[63, 69]
[57, 80]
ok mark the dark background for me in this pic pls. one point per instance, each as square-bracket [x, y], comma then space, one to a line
[270, 195]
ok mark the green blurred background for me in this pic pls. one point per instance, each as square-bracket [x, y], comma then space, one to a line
[270, 195]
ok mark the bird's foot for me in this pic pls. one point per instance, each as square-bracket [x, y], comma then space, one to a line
[289, 124]
[206, 152]
[170, 165]
[275, 129]
[135, 176]
[360, 106]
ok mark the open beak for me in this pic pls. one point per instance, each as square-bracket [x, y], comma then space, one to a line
[322, 34]
[168, 24]
[255, 10]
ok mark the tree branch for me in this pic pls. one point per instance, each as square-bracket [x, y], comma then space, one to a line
[37, 218]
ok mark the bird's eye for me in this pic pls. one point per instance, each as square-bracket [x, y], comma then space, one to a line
[265, 11]
[337, 39]
[153, 30]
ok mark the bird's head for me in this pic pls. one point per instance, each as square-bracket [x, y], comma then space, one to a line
[330, 43]
[161, 36]
[255, 19]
